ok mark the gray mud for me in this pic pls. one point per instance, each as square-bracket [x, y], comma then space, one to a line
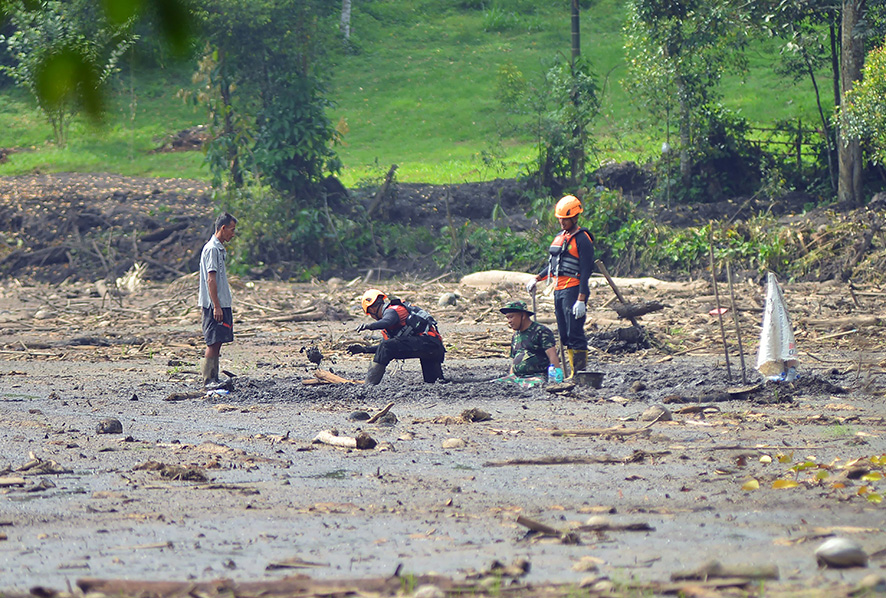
[269, 495]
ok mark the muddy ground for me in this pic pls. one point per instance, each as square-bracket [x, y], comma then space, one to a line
[195, 488]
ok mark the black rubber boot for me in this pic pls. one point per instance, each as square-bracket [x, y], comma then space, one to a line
[210, 372]
[375, 373]
[580, 360]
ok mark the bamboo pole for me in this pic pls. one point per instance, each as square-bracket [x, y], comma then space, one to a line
[717, 297]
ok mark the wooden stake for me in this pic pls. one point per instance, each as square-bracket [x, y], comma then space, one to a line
[717, 297]
[744, 376]
[605, 272]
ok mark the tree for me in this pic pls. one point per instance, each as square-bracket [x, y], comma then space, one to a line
[344, 24]
[677, 53]
[863, 112]
[809, 31]
[577, 160]
[264, 74]
[849, 188]
[263, 81]
[66, 70]
[64, 52]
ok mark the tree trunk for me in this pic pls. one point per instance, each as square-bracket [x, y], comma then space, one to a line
[345, 24]
[851, 61]
[685, 136]
[576, 30]
[577, 158]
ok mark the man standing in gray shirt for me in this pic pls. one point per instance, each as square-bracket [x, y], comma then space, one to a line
[215, 297]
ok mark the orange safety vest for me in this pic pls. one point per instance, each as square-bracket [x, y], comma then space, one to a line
[564, 263]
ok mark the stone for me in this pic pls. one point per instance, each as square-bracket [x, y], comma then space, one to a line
[109, 426]
[841, 552]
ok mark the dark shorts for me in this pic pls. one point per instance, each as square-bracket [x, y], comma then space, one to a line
[218, 332]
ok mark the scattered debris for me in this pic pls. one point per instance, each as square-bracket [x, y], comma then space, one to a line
[174, 472]
[313, 354]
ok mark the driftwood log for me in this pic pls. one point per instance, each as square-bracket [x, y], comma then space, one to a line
[633, 310]
[712, 569]
[362, 441]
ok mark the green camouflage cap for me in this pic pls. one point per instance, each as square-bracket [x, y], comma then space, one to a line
[513, 306]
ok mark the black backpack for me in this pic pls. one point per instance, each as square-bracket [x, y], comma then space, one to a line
[419, 321]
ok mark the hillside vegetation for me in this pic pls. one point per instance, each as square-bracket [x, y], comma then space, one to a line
[416, 89]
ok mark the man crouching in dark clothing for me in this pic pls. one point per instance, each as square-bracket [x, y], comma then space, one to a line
[409, 333]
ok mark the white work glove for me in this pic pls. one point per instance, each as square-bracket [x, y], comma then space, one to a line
[579, 310]
[530, 286]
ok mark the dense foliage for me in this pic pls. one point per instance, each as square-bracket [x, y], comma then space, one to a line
[265, 78]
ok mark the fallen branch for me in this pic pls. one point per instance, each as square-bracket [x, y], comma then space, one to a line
[310, 316]
[330, 378]
[716, 569]
[636, 457]
[535, 526]
[633, 310]
[614, 431]
[556, 461]
[380, 414]
[541, 528]
[616, 527]
[844, 323]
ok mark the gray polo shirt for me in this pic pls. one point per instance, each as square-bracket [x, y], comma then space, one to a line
[212, 259]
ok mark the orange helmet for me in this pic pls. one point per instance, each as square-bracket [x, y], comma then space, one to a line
[568, 207]
[369, 299]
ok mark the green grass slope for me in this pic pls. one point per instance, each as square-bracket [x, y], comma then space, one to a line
[417, 91]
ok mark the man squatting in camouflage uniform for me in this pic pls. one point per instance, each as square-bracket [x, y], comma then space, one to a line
[533, 347]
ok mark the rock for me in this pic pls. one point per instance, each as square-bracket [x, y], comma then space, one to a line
[447, 299]
[44, 314]
[590, 580]
[109, 426]
[388, 419]
[656, 413]
[638, 386]
[869, 584]
[841, 552]
[619, 399]
[598, 521]
[475, 415]
[587, 564]
[365, 441]
[359, 416]
[428, 591]
[454, 443]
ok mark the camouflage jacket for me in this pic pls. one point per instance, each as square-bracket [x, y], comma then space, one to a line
[528, 350]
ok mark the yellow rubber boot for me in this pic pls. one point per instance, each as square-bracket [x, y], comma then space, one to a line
[570, 356]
